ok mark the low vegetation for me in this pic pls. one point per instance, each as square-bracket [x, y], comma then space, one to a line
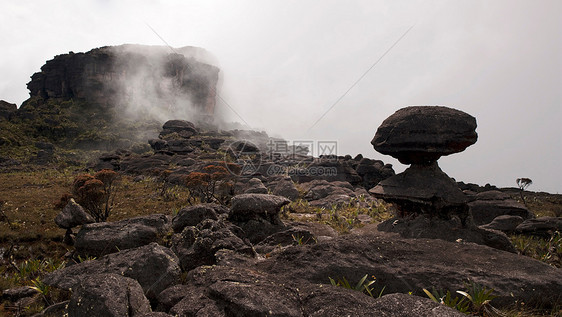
[31, 244]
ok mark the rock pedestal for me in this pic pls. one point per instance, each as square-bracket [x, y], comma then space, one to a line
[429, 202]
[420, 136]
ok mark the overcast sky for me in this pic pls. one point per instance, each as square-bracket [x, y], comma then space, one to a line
[285, 63]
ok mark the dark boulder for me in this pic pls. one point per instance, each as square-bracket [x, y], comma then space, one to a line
[286, 188]
[325, 189]
[504, 223]
[543, 226]
[171, 296]
[409, 265]
[155, 268]
[195, 302]
[102, 238]
[421, 134]
[193, 215]
[197, 246]
[247, 207]
[450, 230]
[373, 171]
[257, 214]
[180, 146]
[108, 295]
[255, 186]
[488, 205]
[178, 126]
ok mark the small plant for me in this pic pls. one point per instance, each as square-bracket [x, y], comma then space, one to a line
[476, 299]
[96, 193]
[363, 285]
[213, 184]
[458, 303]
[523, 183]
[478, 295]
[43, 289]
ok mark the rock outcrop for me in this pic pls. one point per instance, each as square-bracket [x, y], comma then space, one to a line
[488, 205]
[98, 239]
[98, 76]
[108, 295]
[420, 136]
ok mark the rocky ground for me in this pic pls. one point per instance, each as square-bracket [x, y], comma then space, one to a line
[272, 246]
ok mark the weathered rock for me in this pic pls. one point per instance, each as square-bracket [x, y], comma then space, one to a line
[178, 126]
[449, 230]
[417, 135]
[240, 291]
[93, 76]
[404, 265]
[257, 214]
[143, 164]
[197, 246]
[172, 295]
[155, 268]
[195, 302]
[323, 190]
[286, 188]
[542, 226]
[255, 186]
[180, 146]
[424, 189]
[373, 171]
[505, 223]
[108, 295]
[73, 215]
[102, 238]
[158, 144]
[193, 215]
[247, 207]
[488, 205]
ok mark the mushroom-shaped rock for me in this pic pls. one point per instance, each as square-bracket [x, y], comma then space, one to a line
[73, 215]
[421, 134]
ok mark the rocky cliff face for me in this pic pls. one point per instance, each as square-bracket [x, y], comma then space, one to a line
[119, 75]
[111, 97]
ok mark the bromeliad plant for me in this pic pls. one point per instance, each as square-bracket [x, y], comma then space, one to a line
[363, 285]
[475, 299]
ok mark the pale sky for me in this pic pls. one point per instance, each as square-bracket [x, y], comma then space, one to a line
[285, 63]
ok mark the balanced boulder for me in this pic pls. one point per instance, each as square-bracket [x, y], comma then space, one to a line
[422, 134]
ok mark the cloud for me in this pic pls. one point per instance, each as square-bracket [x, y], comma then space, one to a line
[284, 63]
